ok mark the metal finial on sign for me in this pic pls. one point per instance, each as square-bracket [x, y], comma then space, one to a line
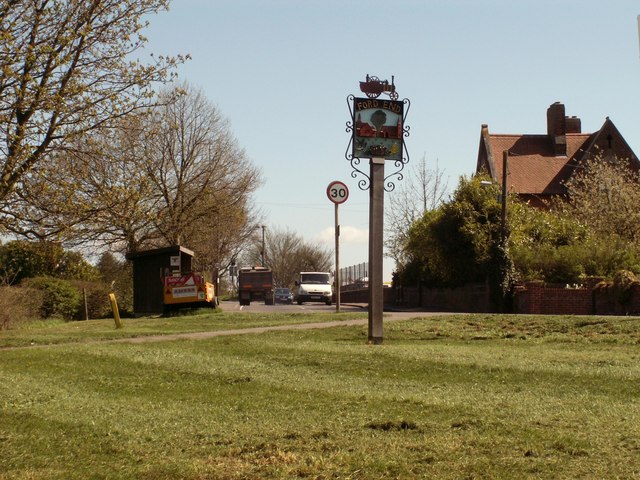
[373, 87]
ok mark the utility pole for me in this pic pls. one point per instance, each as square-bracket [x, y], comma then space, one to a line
[262, 251]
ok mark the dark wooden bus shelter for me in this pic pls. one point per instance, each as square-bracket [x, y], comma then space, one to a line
[149, 266]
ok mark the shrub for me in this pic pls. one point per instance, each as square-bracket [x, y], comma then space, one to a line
[17, 305]
[97, 296]
[623, 280]
[22, 259]
[60, 297]
[570, 263]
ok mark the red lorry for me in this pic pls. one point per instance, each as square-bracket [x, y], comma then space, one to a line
[255, 283]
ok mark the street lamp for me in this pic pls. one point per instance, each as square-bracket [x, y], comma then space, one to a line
[500, 254]
[503, 215]
[503, 196]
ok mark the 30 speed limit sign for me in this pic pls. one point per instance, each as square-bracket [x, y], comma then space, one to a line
[337, 192]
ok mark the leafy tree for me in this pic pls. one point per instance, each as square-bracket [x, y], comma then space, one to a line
[68, 67]
[118, 277]
[60, 299]
[554, 246]
[452, 244]
[462, 242]
[22, 259]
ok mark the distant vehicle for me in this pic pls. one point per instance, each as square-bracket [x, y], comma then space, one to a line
[314, 287]
[255, 283]
[283, 295]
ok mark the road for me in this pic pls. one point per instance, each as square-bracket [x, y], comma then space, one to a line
[260, 307]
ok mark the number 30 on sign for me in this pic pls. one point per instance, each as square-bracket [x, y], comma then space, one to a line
[337, 192]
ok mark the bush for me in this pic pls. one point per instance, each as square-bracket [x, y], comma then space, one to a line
[97, 295]
[60, 298]
[22, 259]
[623, 280]
[17, 305]
[571, 263]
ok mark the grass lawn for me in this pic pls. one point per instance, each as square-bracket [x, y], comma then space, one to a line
[59, 332]
[459, 396]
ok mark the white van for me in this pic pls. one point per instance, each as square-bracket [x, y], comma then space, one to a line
[315, 287]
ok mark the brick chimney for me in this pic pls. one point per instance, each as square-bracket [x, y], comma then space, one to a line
[556, 120]
[573, 124]
[557, 128]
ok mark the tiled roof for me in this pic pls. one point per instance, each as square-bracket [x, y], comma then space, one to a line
[533, 167]
[539, 165]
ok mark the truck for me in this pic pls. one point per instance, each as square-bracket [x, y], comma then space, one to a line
[187, 290]
[314, 287]
[255, 283]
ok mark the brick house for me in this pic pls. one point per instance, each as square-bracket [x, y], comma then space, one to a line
[539, 164]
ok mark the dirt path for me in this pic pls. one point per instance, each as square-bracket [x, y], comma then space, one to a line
[243, 331]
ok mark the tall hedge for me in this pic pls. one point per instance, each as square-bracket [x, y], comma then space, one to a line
[60, 298]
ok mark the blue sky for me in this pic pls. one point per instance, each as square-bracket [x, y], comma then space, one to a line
[281, 70]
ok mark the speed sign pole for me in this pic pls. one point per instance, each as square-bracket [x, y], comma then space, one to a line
[337, 193]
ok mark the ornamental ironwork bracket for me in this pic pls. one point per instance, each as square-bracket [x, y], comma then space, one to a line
[364, 183]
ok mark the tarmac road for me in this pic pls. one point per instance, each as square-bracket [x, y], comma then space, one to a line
[260, 307]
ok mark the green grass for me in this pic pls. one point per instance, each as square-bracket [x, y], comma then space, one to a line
[57, 331]
[451, 397]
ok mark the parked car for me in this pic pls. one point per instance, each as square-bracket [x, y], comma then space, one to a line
[283, 295]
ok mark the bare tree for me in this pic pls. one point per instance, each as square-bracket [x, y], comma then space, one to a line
[196, 166]
[172, 175]
[287, 254]
[281, 254]
[423, 189]
[68, 67]
[96, 192]
[203, 180]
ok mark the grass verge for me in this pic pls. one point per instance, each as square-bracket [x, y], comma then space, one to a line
[50, 332]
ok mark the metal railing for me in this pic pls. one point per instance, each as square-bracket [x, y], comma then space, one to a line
[355, 275]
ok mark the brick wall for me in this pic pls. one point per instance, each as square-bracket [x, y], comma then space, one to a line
[470, 298]
[530, 298]
[538, 298]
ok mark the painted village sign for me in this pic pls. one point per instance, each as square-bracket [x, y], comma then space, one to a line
[378, 128]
